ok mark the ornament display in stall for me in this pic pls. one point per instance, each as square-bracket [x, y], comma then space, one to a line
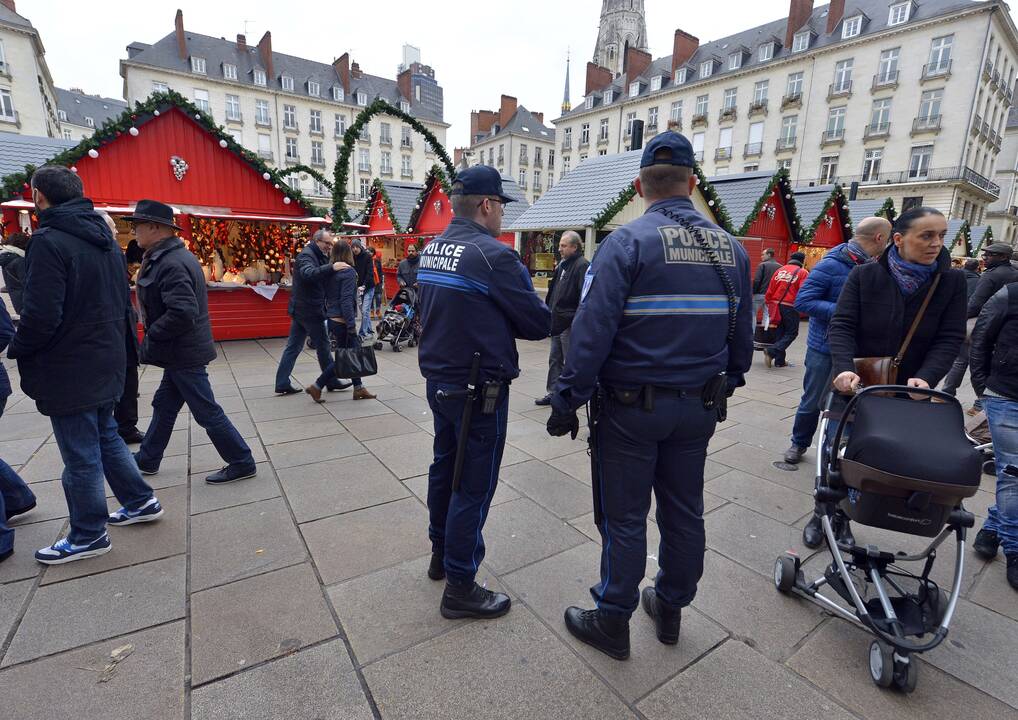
[180, 167]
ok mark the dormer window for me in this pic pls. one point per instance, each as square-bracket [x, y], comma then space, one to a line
[89, 121]
[680, 76]
[198, 65]
[766, 52]
[899, 13]
[608, 97]
[62, 115]
[287, 82]
[634, 89]
[588, 103]
[314, 89]
[706, 69]
[404, 106]
[655, 83]
[337, 94]
[735, 61]
[851, 27]
[259, 77]
[229, 71]
[800, 41]
[362, 98]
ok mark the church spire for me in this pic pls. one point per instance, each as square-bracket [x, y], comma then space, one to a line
[566, 104]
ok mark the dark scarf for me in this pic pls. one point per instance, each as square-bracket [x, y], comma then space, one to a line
[909, 276]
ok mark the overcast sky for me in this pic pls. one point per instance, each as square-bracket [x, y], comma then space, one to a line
[479, 50]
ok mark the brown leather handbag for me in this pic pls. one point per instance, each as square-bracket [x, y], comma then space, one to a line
[884, 370]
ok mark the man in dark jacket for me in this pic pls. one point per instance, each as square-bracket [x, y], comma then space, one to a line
[178, 338]
[998, 272]
[563, 299]
[365, 279]
[961, 363]
[762, 279]
[12, 262]
[70, 352]
[995, 379]
[311, 270]
[406, 274]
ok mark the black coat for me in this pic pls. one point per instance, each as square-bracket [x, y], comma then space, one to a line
[762, 277]
[365, 268]
[994, 355]
[992, 280]
[406, 273]
[70, 339]
[872, 319]
[564, 292]
[12, 260]
[311, 270]
[971, 281]
[175, 307]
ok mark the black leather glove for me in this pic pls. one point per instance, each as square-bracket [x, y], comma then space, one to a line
[561, 423]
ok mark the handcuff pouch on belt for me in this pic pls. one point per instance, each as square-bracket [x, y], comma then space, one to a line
[714, 396]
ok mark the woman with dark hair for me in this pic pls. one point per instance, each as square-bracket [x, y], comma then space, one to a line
[877, 308]
[12, 262]
[341, 309]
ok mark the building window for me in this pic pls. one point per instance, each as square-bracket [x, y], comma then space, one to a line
[584, 133]
[291, 148]
[232, 107]
[706, 69]
[940, 54]
[919, 162]
[800, 41]
[888, 70]
[735, 61]
[754, 145]
[843, 76]
[365, 188]
[385, 134]
[871, 165]
[836, 123]
[259, 77]
[724, 150]
[229, 71]
[406, 166]
[652, 118]
[701, 104]
[588, 102]
[315, 121]
[630, 119]
[698, 139]
[731, 95]
[6, 105]
[655, 83]
[3, 57]
[160, 86]
[501, 154]
[362, 98]
[852, 27]
[675, 115]
[753, 167]
[880, 117]
[406, 138]
[287, 82]
[899, 13]
[603, 132]
[317, 153]
[565, 165]
[364, 160]
[537, 180]
[265, 145]
[523, 178]
[828, 169]
[67, 134]
[909, 202]
[785, 164]
[319, 190]
[609, 96]
[62, 115]
[314, 89]
[551, 162]
[789, 129]
[760, 92]
[262, 112]
[198, 65]
[404, 106]
[289, 117]
[201, 99]
[567, 139]
[338, 94]
[794, 87]
[680, 76]
[766, 52]
[294, 182]
[386, 162]
[523, 152]
[89, 121]
[634, 88]
[929, 105]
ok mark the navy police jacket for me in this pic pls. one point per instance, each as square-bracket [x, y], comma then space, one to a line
[653, 310]
[476, 296]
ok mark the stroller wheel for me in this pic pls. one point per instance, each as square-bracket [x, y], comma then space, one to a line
[411, 342]
[989, 467]
[396, 347]
[906, 675]
[378, 346]
[881, 664]
[784, 573]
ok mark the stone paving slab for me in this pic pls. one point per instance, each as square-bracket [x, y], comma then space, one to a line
[237, 542]
[147, 684]
[532, 438]
[317, 682]
[520, 532]
[419, 487]
[17, 452]
[28, 538]
[739, 683]
[206, 497]
[760, 463]
[46, 464]
[379, 426]
[766, 498]
[205, 458]
[993, 592]
[304, 452]
[576, 465]
[50, 503]
[247, 622]
[84, 610]
[12, 600]
[346, 409]
[24, 426]
[339, 486]
[172, 471]
[298, 428]
[563, 495]
[518, 669]
[751, 539]
[241, 421]
[405, 456]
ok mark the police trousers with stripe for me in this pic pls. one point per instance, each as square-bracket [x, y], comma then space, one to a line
[457, 518]
[638, 452]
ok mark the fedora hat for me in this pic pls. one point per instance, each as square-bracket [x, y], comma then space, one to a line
[152, 211]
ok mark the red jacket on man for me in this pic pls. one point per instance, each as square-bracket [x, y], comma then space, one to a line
[783, 288]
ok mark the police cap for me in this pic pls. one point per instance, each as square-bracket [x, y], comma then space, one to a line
[680, 149]
[480, 180]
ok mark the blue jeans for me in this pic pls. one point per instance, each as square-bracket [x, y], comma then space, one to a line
[1002, 415]
[91, 448]
[14, 495]
[788, 331]
[300, 329]
[369, 295]
[456, 519]
[816, 383]
[344, 339]
[191, 386]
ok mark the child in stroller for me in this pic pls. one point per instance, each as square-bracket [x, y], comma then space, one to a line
[879, 479]
[400, 324]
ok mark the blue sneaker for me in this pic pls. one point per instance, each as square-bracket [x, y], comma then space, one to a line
[145, 469]
[63, 551]
[148, 512]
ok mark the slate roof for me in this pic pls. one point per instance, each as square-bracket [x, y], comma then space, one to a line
[9, 17]
[859, 209]
[216, 51]
[16, 151]
[739, 193]
[809, 202]
[522, 123]
[403, 197]
[512, 211]
[978, 234]
[875, 14]
[954, 226]
[78, 106]
[583, 193]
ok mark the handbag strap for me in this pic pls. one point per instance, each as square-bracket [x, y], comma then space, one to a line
[918, 319]
[788, 286]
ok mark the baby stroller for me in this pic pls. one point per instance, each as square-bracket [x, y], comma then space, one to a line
[400, 325]
[872, 480]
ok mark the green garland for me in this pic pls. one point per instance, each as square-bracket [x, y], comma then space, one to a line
[987, 238]
[378, 189]
[614, 207]
[837, 196]
[435, 174]
[965, 235]
[781, 183]
[340, 214]
[142, 113]
[887, 210]
[286, 172]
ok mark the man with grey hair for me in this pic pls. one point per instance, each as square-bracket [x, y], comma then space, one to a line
[311, 270]
[563, 300]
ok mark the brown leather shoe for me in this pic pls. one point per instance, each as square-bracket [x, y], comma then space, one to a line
[315, 392]
[362, 393]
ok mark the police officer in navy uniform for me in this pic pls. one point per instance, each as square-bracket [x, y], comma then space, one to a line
[476, 298]
[662, 337]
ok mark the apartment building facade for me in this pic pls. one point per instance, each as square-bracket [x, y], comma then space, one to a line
[907, 100]
[28, 104]
[292, 110]
[80, 113]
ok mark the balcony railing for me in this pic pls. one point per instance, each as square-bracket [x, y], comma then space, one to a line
[387, 171]
[785, 144]
[292, 159]
[318, 162]
[235, 117]
[700, 120]
[537, 187]
[339, 133]
[364, 137]
[885, 81]
[832, 137]
[406, 143]
[538, 162]
[792, 100]
[583, 143]
[984, 130]
[995, 80]
[385, 140]
[364, 167]
[291, 126]
[602, 140]
[913, 175]
[977, 123]
[877, 130]
[839, 90]
[567, 144]
[317, 131]
[524, 160]
[265, 155]
[730, 114]
[926, 124]
[407, 174]
[987, 71]
[753, 150]
[723, 153]
[758, 108]
[935, 71]
[995, 139]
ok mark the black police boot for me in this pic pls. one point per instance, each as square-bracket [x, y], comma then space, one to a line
[986, 544]
[813, 533]
[472, 601]
[794, 454]
[604, 631]
[842, 528]
[666, 619]
[1012, 570]
[436, 570]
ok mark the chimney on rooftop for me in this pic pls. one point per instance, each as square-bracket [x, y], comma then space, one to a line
[799, 12]
[635, 63]
[835, 12]
[355, 70]
[265, 51]
[241, 42]
[342, 67]
[684, 46]
[539, 116]
[481, 122]
[9, 4]
[178, 24]
[598, 78]
[506, 110]
[403, 83]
